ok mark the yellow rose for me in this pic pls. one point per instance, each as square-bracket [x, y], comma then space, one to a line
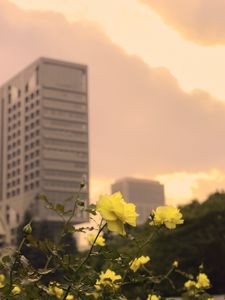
[16, 290]
[175, 264]
[167, 215]
[116, 212]
[202, 281]
[138, 262]
[100, 240]
[55, 290]
[153, 297]
[2, 280]
[108, 278]
[95, 295]
[190, 283]
[69, 297]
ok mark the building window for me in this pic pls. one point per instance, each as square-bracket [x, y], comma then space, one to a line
[26, 88]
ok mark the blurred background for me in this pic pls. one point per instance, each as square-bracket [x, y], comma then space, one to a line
[156, 102]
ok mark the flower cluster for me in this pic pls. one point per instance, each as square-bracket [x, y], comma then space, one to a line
[108, 278]
[100, 241]
[54, 289]
[202, 282]
[16, 290]
[81, 280]
[138, 262]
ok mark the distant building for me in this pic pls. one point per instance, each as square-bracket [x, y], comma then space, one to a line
[145, 194]
[43, 139]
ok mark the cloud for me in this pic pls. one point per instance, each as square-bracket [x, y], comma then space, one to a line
[202, 21]
[141, 121]
[182, 186]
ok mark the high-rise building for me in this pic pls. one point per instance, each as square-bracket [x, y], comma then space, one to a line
[145, 194]
[43, 139]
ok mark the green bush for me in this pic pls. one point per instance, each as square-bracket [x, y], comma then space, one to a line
[106, 271]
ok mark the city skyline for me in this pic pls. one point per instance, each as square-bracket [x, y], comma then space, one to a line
[150, 100]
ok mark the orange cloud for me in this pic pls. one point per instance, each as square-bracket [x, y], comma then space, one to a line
[202, 21]
[181, 187]
[141, 121]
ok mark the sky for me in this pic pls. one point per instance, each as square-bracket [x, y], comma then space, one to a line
[156, 83]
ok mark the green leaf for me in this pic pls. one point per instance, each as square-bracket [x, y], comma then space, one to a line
[91, 209]
[69, 228]
[59, 208]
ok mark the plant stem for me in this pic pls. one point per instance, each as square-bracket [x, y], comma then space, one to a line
[86, 258]
[14, 264]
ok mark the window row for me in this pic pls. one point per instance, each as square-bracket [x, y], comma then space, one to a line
[58, 183]
[32, 145]
[14, 107]
[32, 125]
[32, 175]
[31, 165]
[13, 125]
[63, 173]
[64, 114]
[31, 96]
[32, 155]
[32, 135]
[14, 135]
[13, 183]
[14, 116]
[64, 133]
[64, 105]
[65, 144]
[31, 186]
[13, 164]
[13, 193]
[13, 154]
[13, 173]
[32, 105]
[14, 144]
[62, 196]
[32, 115]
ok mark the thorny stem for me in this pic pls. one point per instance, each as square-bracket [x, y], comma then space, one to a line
[14, 264]
[87, 257]
[66, 223]
[139, 249]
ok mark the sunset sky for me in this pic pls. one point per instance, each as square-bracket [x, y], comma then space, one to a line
[156, 83]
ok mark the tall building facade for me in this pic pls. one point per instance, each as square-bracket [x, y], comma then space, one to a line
[43, 139]
[145, 194]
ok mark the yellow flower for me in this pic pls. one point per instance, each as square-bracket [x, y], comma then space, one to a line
[16, 290]
[55, 290]
[138, 262]
[69, 297]
[100, 240]
[167, 215]
[2, 281]
[109, 278]
[153, 297]
[175, 264]
[202, 281]
[95, 295]
[190, 283]
[116, 212]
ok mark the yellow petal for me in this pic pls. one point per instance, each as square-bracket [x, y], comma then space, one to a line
[116, 226]
[104, 207]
